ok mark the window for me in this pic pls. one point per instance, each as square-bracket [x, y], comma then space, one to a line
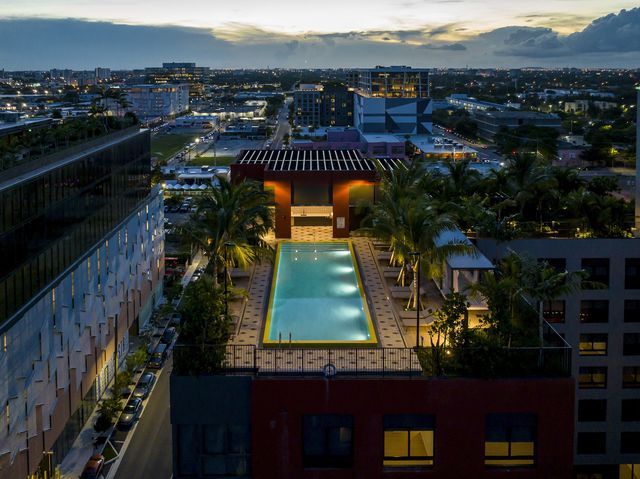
[631, 344]
[632, 273]
[553, 311]
[408, 440]
[510, 440]
[593, 344]
[630, 442]
[631, 311]
[592, 443]
[327, 440]
[559, 264]
[594, 311]
[629, 471]
[592, 410]
[597, 272]
[631, 377]
[630, 410]
[592, 377]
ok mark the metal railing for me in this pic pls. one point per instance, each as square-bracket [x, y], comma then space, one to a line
[471, 362]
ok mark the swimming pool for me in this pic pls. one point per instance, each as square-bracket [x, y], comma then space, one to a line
[317, 297]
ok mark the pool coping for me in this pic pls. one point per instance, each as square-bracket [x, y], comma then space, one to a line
[372, 342]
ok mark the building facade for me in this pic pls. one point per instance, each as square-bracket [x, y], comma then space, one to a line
[490, 122]
[603, 327]
[331, 427]
[323, 105]
[82, 235]
[159, 101]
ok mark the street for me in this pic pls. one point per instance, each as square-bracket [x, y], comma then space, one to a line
[282, 127]
[149, 453]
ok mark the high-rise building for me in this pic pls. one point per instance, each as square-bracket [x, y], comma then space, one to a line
[323, 105]
[159, 101]
[393, 100]
[82, 242]
[102, 74]
[180, 72]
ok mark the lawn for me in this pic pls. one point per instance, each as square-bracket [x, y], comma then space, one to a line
[165, 146]
[211, 161]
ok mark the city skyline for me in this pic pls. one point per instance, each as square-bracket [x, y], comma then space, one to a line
[456, 33]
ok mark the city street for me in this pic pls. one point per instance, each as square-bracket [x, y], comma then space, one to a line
[149, 452]
[283, 127]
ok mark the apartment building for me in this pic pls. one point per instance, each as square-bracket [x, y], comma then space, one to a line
[159, 101]
[603, 327]
[323, 105]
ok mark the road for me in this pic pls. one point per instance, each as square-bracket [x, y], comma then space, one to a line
[283, 126]
[149, 453]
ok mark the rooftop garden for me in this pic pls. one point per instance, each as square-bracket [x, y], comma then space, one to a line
[29, 145]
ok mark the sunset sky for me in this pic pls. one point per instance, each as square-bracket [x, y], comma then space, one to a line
[322, 33]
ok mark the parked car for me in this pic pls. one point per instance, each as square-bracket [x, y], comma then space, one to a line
[144, 386]
[93, 467]
[158, 357]
[168, 335]
[176, 319]
[130, 413]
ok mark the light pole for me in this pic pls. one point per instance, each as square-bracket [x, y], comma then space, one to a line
[417, 254]
[227, 245]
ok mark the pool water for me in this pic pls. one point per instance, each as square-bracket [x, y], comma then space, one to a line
[317, 297]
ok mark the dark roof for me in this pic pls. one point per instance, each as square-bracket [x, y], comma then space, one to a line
[314, 160]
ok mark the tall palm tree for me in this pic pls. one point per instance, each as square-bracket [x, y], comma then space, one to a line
[231, 222]
[542, 282]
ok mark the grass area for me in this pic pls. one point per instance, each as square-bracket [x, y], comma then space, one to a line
[165, 146]
[211, 161]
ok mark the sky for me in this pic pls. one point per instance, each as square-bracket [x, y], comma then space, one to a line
[40, 34]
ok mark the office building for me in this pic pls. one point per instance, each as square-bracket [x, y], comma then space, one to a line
[102, 74]
[180, 72]
[490, 122]
[159, 101]
[463, 101]
[82, 241]
[323, 105]
[393, 100]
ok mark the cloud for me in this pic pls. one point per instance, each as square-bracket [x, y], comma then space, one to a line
[610, 41]
[452, 47]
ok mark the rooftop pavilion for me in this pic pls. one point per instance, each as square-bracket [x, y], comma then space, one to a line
[314, 187]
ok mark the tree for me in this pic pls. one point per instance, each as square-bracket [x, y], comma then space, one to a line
[231, 222]
[206, 329]
[107, 412]
[542, 282]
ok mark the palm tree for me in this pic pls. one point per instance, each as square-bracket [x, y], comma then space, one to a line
[542, 282]
[231, 222]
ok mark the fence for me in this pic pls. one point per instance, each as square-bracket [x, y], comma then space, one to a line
[250, 359]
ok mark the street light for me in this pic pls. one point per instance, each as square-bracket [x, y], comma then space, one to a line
[417, 254]
[227, 245]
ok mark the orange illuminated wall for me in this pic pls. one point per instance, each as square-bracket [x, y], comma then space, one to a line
[282, 193]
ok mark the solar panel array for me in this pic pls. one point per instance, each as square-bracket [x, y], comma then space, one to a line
[314, 160]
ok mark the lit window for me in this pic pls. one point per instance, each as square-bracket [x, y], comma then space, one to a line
[592, 377]
[510, 440]
[593, 345]
[631, 377]
[408, 440]
[629, 471]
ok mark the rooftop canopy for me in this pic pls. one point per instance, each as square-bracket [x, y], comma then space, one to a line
[474, 261]
[314, 160]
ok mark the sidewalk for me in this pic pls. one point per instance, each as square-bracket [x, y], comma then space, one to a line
[83, 447]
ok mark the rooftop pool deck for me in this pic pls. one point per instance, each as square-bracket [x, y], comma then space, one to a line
[317, 297]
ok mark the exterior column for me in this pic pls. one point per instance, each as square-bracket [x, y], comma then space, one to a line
[341, 209]
[283, 208]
